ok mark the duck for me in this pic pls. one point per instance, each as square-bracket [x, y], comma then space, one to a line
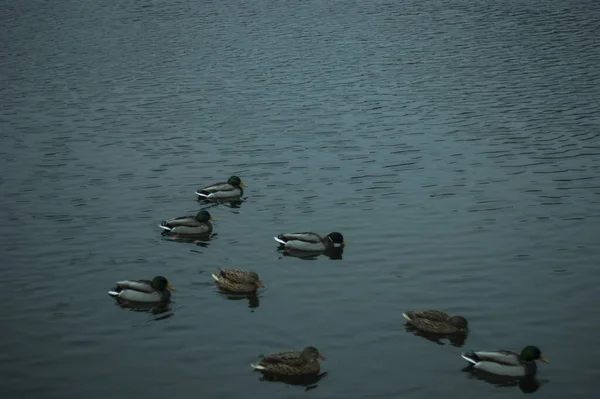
[436, 321]
[507, 363]
[291, 362]
[198, 224]
[157, 290]
[232, 189]
[238, 281]
[308, 241]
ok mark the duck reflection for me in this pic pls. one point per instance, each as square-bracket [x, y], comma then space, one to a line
[456, 339]
[253, 299]
[528, 384]
[309, 381]
[201, 240]
[233, 204]
[332, 254]
[163, 310]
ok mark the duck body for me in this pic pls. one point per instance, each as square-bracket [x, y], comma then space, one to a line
[436, 321]
[231, 189]
[237, 281]
[190, 224]
[308, 241]
[157, 290]
[505, 362]
[291, 362]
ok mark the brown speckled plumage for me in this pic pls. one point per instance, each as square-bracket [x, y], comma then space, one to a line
[236, 280]
[291, 362]
[436, 321]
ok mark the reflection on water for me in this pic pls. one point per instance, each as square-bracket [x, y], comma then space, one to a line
[202, 240]
[153, 308]
[253, 299]
[526, 384]
[333, 253]
[454, 339]
[234, 204]
[458, 142]
[307, 381]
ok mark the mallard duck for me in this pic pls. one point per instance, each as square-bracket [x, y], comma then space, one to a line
[236, 280]
[307, 241]
[436, 321]
[291, 362]
[157, 290]
[231, 189]
[199, 224]
[507, 363]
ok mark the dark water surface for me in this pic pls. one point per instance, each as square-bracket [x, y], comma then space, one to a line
[455, 144]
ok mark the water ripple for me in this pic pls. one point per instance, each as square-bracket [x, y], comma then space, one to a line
[454, 144]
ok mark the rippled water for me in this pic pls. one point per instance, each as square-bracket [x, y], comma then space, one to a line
[455, 144]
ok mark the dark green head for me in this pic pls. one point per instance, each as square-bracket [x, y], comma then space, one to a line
[160, 283]
[311, 353]
[236, 181]
[337, 239]
[203, 216]
[531, 353]
[459, 322]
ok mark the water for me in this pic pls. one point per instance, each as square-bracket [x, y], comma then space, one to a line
[455, 145]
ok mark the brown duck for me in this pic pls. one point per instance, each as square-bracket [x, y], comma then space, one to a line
[236, 280]
[291, 362]
[437, 322]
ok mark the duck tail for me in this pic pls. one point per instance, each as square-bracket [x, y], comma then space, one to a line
[215, 277]
[164, 225]
[201, 194]
[113, 293]
[406, 316]
[257, 366]
[470, 357]
[280, 239]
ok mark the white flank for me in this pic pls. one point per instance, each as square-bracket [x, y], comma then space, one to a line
[279, 240]
[257, 366]
[468, 359]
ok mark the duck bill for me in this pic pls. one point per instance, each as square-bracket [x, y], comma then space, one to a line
[212, 218]
[259, 284]
[170, 287]
[243, 185]
[544, 359]
[319, 356]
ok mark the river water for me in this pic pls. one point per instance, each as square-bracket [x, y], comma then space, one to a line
[455, 144]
